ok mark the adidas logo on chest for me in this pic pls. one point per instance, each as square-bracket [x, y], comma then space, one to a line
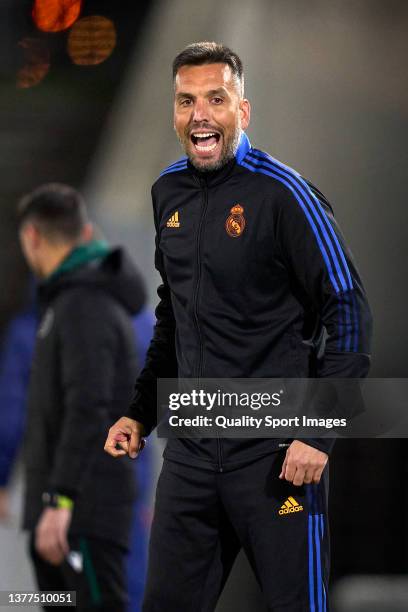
[174, 220]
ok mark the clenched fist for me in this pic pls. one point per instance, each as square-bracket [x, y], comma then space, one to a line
[127, 435]
[303, 464]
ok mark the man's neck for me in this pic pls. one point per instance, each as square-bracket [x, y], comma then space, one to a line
[54, 258]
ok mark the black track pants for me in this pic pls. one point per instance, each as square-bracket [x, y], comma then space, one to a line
[203, 518]
[99, 581]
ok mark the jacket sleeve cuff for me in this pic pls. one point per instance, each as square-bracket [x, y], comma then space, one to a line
[57, 500]
[139, 413]
[322, 444]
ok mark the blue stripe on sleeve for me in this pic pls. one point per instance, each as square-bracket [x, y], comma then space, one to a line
[292, 188]
[313, 205]
[316, 209]
[325, 235]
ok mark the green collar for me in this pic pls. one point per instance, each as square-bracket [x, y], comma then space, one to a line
[82, 254]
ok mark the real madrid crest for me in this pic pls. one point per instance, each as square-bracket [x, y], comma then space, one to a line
[235, 224]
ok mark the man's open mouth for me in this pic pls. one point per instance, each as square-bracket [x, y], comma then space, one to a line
[205, 142]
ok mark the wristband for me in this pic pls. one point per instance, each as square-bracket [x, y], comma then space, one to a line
[64, 502]
[53, 500]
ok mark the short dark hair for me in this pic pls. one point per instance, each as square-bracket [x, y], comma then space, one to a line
[206, 52]
[58, 210]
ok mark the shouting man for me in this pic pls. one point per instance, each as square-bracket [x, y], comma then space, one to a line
[253, 268]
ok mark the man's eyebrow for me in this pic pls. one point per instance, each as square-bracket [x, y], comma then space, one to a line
[217, 92]
[220, 91]
[184, 94]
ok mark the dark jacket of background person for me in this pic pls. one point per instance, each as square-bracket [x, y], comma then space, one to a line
[84, 367]
[15, 366]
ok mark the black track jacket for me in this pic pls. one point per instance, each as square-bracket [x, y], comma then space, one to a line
[81, 382]
[253, 265]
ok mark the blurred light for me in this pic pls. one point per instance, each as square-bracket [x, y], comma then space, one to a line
[91, 40]
[55, 15]
[36, 63]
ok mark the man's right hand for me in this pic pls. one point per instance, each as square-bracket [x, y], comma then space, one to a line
[126, 434]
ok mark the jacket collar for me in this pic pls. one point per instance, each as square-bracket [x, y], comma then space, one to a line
[79, 256]
[243, 148]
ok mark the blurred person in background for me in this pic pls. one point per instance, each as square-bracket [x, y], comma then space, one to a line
[84, 365]
[16, 355]
[253, 268]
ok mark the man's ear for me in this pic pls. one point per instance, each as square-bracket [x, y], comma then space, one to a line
[245, 110]
[87, 233]
[32, 235]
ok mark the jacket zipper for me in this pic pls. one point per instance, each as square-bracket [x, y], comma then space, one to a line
[204, 191]
[220, 460]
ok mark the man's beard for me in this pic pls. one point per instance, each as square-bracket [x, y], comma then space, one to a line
[229, 149]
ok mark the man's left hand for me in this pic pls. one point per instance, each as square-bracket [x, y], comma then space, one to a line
[51, 540]
[303, 464]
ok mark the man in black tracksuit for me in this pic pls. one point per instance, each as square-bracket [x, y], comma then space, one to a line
[81, 381]
[253, 268]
